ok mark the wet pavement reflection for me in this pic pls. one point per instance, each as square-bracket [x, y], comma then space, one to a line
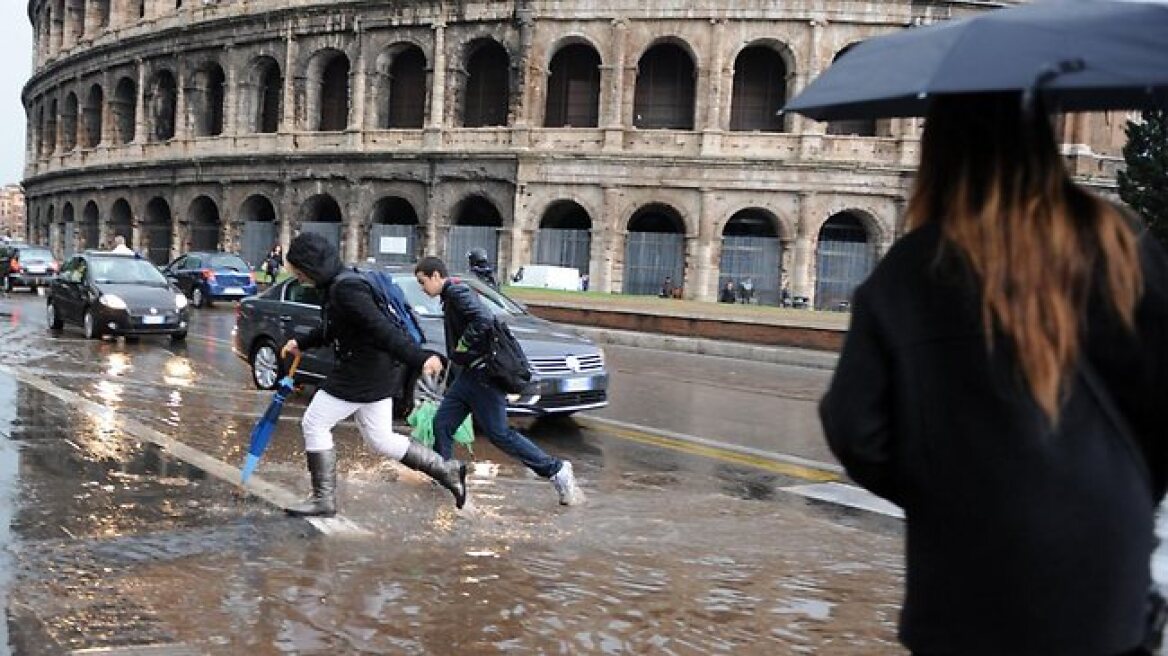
[112, 542]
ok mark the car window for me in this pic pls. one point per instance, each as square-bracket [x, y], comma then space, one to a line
[192, 262]
[74, 271]
[228, 262]
[177, 264]
[35, 254]
[294, 292]
[427, 306]
[125, 271]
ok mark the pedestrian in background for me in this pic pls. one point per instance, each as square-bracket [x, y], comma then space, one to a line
[480, 266]
[727, 294]
[121, 247]
[1003, 381]
[373, 359]
[273, 263]
[667, 288]
[468, 325]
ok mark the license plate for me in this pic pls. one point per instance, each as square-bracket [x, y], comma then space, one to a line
[36, 269]
[153, 320]
[576, 384]
[234, 290]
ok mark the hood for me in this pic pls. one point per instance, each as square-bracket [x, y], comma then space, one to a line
[314, 255]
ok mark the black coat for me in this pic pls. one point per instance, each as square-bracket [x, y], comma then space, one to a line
[1021, 539]
[467, 322]
[374, 357]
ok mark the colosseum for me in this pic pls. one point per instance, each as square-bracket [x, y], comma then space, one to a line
[632, 140]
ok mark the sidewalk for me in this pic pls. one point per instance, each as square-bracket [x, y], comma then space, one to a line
[732, 330]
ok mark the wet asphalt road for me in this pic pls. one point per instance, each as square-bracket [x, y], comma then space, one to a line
[111, 542]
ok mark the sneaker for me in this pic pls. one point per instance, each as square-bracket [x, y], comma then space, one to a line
[565, 483]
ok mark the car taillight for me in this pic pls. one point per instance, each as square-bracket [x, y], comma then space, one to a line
[53, 267]
[14, 265]
[208, 275]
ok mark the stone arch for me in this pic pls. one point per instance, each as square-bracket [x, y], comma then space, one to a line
[206, 95]
[91, 134]
[476, 223]
[322, 214]
[124, 109]
[573, 87]
[762, 73]
[69, 123]
[751, 255]
[161, 102]
[565, 236]
[262, 97]
[394, 231]
[121, 221]
[844, 256]
[487, 96]
[90, 226]
[68, 224]
[50, 133]
[864, 127]
[654, 249]
[204, 224]
[157, 231]
[101, 13]
[401, 87]
[328, 100]
[666, 93]
[259, 228]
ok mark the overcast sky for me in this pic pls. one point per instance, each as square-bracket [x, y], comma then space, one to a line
[15, 67]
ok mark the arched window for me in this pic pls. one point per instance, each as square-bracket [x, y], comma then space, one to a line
[122, 221]
[204, 226]
[50, 135]
[262, 102]
[393, 231]
[157, 230]
[206, 100]
[573, 89]
[91, 135]
[654, 250]
[161, 102]
[860, 127]
[760, 90]
[124, 108]
[69, 123]
[333, 88]
[665, 89]
[751, 255]
[564, 237]
[404, 102]
[843, 260]
[488, 85]
[476, 225]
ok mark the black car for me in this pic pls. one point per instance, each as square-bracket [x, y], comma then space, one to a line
[209, 276]
[26, 265]
[569, 370]
[116, 294]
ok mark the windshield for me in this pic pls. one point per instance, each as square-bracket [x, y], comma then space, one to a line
[425, 306]
[125, 271]
[228, 263]
[29, 254]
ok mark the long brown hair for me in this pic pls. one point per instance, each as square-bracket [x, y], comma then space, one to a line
[992, 175]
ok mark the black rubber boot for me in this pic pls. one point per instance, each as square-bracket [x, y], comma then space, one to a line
[451, 474]
[322, 467]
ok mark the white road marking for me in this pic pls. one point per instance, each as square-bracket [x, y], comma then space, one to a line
[847, 495]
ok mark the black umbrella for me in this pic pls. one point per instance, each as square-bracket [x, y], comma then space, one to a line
[1080, 55]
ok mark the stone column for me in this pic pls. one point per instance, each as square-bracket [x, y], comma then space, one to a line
[702, 254]
[810, 132]
[432, 136]
[716, 76]
[231, 95]
[352, 236]
[613, 115]
[181, 111]
[140, 125]
[522, 86]
[108, 129]
[358, 97]
[802, 278]
[57, 29]
[605, 238]
[288, 120]
[435, 224]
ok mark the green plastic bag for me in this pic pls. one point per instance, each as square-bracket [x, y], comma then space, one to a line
[422, 422]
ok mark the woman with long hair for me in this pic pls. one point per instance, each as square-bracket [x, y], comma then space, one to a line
[1004, 381]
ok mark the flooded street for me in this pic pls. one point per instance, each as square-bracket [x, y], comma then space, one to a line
[111, 541]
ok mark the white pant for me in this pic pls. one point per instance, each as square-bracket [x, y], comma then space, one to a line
[374, 420]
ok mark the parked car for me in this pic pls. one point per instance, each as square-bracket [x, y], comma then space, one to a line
[115, 294]
[206, 277]
[569, 370]
[26, 265]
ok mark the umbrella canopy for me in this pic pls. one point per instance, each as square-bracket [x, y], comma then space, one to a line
[1082, 55]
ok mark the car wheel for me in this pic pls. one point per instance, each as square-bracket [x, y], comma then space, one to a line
[54, 320]
[179, 336]
[90, 325]
[265, 365]
[198, 299]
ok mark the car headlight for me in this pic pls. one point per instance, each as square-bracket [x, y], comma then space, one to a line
[601, 352]
[180, 301]
[112, 302]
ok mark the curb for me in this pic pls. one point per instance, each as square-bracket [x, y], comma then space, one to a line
[701, 346]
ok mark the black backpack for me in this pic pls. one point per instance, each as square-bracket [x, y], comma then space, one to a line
[505, 362]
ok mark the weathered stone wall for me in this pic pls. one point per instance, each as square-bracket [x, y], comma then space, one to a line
[157, 71]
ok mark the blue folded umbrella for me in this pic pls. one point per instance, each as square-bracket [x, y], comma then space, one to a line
[262, 433]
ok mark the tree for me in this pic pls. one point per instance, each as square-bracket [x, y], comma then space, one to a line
[1144, 184]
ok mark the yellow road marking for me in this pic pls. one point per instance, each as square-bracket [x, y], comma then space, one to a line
[715, 453]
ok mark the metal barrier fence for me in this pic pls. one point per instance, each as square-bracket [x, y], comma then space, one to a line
[754, 259]
[566, 248]
[649, 258]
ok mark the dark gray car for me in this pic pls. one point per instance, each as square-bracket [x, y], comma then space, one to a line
[569, 370]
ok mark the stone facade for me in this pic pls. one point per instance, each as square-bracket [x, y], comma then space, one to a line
[187, 124]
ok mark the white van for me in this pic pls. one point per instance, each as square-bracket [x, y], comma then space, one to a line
[548, 277]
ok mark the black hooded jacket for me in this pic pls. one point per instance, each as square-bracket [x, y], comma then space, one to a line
[373, 356]
[467, 323]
